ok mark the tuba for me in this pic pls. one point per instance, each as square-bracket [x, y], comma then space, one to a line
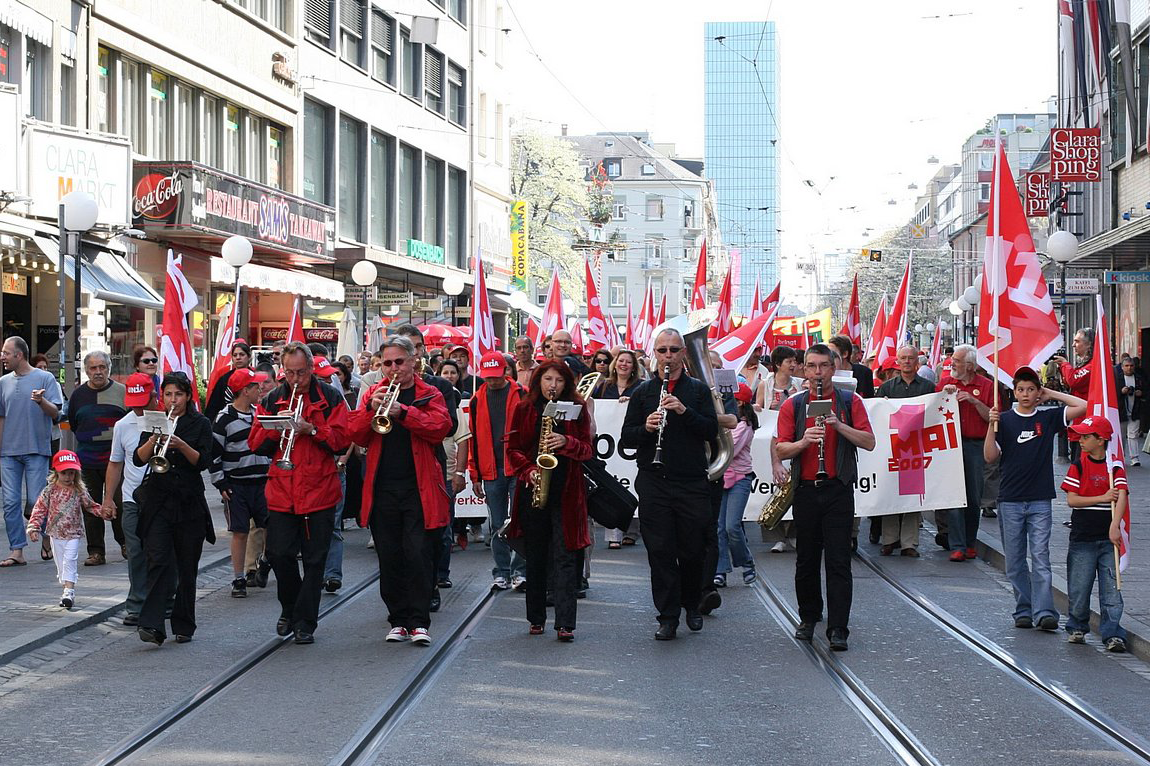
[699, 322]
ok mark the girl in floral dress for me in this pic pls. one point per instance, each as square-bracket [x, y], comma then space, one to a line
[60, 505]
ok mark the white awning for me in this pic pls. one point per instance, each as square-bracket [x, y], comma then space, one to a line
[105, 275]
[27, 21]
[261, 277]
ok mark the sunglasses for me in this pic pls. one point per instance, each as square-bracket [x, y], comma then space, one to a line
[396, 362]
[151, 360]
[668, 349]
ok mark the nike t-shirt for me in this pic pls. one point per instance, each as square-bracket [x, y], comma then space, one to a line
[1027, 444]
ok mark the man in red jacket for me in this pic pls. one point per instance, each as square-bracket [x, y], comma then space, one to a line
[405, 499]
[301, 500]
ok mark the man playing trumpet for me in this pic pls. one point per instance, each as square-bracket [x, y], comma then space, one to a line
[301, 499]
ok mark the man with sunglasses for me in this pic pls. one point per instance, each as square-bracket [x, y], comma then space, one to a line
[674, 496]
[561, 349]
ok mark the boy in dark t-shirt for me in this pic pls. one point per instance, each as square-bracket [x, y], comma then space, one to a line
[1024, 439]
[1099, 503]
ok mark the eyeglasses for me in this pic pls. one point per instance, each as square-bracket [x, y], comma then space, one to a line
[396, 362]
[668, 349]
[152, 360]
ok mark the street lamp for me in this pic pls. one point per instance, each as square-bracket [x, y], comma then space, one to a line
[1062, 246]
[519, 301]
[453, 286]
[78, 214]
[237, 252]
[363, 273]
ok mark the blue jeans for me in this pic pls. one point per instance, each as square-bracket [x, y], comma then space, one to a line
[333, 569]
[1023, 525]
[508, 563]
[27, 472]
[1084, 561]
[963, 528]
[137, 562]
[732, 538]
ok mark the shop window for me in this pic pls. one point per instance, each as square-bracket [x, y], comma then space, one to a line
[408, 195]
[382, 183]
[350, 178]
[316, 130]
[382, 39]
[457, 218]
[6, 38]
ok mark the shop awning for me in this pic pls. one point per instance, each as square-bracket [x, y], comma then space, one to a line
[261, 277]
[105, 275]
[27, 21]
[1124, 248]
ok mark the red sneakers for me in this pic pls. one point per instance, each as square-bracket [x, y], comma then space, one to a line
[958, 556]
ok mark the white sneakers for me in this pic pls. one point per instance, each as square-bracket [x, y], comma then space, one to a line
[397, 634]
[519, 583]
[500, 583]
[68, 598]
[420, 636]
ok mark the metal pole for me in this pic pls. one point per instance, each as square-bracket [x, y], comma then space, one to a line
[1065, 321]
[363, 304]
[239, 315]
[61, 344]
[74, 247]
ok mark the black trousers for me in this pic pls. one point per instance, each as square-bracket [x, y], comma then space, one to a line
[94, 525]
[711, 541]
[406, 550]
[824, 517]
[549, 565]
[674, 516]
[309, 536]
[172, 549]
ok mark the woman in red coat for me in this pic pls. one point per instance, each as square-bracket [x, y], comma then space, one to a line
[555, 533]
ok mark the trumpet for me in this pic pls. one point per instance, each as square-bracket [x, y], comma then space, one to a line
[287, 438]
[158, 461]
[381, 422]
[658, 459]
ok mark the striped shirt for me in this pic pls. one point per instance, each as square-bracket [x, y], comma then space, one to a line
[1088, 477]
[232, 458]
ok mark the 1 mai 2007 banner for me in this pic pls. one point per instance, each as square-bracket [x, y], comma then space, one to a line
[916, 464]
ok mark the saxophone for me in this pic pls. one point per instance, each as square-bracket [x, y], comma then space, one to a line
[545, 461]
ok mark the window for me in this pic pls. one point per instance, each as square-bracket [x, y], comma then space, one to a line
[255, 149]
[317, 21]
[481, 26]
[210, 149]
[498, 35]
[433, 181]
[158, 115]
[614, 168]
[411, 64]
[350, 185]
[352, 20]
[689, 214]
[648, 169]
[274, 159]
[103, 85]
[183, 141]
[616, 291]
[984, 192]
[433, 81]
[382, 185]
[456, 218]
[498, 133]
[6, 37]
[382, 35]
[456, 95]
[230, 158]
[654, 207]
[129, 101]
[481, 139]
[316, 127]
[458, 10]
[271, 11]
[618, 253]
[408, 195]
[37, 73]
[619, 208]
[67, 93]
[656, 295]
[654, 254]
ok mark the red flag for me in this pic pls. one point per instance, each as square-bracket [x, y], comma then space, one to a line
[630, 328]
[876, 330]
[613, 340]
[175, 339]
[852, 327]
[224, 342]
[699, 294]
[756, 306]
[533, 333]
[482, 324]
[643, 325]
[721, 327]
[597, 327]
[735, 348]
[662, 309]
[1016, 323]
[936, 347]
[576, 330]
[295, 327]
[771, 302]
[894, 331]
[553, 317]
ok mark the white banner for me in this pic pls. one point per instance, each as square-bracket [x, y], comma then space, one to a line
[916, 464]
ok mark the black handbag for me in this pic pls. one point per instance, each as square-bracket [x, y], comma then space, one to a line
[609, 503]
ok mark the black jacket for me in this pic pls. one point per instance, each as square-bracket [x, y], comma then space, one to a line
[180, 490]
[1140, 384]
[684, 437]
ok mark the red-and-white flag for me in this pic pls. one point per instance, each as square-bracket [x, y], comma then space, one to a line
[576, 330]
[852, 326]
[1103, 404]
[225, 339]
[482, 324]
[756, 306]
[598, 330]
[533, 333]
[644, 324]
[772, 301]
[1016, 323]
[175, 338]
[735, 348]
[613, 339]
[894, 331]
[553, 316]
[935, 357]
[699, 294]
[876, 330]
[662, 315]
[631, 344]
[721, 327]
[295, 327]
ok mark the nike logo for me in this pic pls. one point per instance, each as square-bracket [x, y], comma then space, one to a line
[1026, 436]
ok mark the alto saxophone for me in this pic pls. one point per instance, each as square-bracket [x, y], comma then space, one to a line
[546, 462]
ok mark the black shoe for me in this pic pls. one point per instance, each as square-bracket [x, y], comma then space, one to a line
[331, 585]
[837, 637]
[182, 639]
[250, 579]
[283, 627]
[581, 593]
[131, 620]
[303, 637]
[874, 537]
[1048, 622]
[240, 587]
[1023, 622]
[989, 513]
[710, 602]
[942, 540]
[805, 631]
[444, 583]
[150, 636]
[263, 568]
[666, 631]
[695, 621]
[436, 601]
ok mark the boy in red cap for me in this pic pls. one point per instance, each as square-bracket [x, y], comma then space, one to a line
[1099, 503]
[59, 505]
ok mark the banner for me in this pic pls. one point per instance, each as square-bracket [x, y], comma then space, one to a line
[917, 453]
[789, 331]
[519, 244]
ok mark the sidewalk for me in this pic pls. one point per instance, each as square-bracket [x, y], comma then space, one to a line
[1136, 578]
[30, 614]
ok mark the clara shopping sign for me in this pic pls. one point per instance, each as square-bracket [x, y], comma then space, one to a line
[1076, 154]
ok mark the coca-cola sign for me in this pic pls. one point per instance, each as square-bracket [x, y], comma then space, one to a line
[157, 197]
[269, 335]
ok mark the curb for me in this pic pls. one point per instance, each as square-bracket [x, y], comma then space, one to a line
[1137, 632]
[82, 618]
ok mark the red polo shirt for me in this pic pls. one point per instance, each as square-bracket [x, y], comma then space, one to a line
[982, 389]
[809, 460]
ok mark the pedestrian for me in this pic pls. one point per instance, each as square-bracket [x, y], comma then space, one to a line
[1076, 378]
[92, 411]
[174, 515]
[1098, 499]
[30, 402]
[677, 413]
[524, 360]
[864, 380]
[561, 345]
[1023, 441]
[145, 360]
[711, 598]
[350, 482]
[40, 362]
[737, 480]
[219, 394]
[554, 526]
[58, 512]
[600, 362]
[780, 385]
[753, 374]
[623, 377]
[405, 499]
[1132, 389]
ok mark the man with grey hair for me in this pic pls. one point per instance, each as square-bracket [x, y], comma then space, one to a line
[561, 349]
[92, 411]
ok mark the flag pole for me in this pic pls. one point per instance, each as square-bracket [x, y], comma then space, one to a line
[997, 234]
[1117, 557]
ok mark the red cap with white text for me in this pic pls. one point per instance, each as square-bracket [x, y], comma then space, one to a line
[65, 460]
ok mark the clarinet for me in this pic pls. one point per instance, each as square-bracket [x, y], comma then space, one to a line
[657, 461]
[820, 421]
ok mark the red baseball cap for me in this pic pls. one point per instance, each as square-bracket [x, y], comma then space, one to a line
[891, 363]
[323, 367]
[492, 365]
[140, 387]
[743, 393]
[1094, 424]
[244, 377]
[65, 460]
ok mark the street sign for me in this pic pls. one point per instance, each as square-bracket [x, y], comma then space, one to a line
[1074, 286]
[395, 299]
[1126, 277]
[918, 231]
[357, 294]
[429, 305]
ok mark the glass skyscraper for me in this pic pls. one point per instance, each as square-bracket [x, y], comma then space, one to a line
[741, 113]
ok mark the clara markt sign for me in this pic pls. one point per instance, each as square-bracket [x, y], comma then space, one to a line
[187, 198]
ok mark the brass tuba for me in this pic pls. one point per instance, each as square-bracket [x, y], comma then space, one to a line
[695, 339]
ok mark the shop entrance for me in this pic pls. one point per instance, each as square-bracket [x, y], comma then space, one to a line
[17, 307]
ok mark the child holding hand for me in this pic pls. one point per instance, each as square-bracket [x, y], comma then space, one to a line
[61, 505]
